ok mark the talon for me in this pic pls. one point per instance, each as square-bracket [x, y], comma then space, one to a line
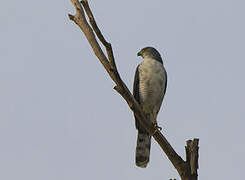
[159, 128]
[155, 130]
[156, 127]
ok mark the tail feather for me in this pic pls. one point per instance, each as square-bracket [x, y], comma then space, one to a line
[143, 149]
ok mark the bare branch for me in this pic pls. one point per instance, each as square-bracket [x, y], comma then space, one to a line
[99, 34]
[183, 167]
[192, 155]
[81, 21]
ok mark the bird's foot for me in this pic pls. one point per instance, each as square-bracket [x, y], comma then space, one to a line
[156, 128]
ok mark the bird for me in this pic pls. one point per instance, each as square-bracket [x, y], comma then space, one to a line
[150, 83]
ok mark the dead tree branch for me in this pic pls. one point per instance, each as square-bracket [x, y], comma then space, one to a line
[186, 169]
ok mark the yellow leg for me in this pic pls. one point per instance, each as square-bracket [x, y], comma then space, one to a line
[154, 118]
[155, 121]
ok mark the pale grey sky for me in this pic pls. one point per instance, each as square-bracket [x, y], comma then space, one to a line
[61, 119]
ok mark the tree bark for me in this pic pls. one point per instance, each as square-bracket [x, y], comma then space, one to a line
[186, 169]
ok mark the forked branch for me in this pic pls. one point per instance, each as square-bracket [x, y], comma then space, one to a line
[184, 168]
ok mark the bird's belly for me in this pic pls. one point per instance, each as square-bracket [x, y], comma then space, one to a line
[151, 86]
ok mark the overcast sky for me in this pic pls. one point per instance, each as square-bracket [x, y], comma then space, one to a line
[61, 119]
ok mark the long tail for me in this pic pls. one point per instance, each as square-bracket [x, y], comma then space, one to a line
[143, 149]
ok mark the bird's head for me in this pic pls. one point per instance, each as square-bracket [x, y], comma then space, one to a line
[151, 53]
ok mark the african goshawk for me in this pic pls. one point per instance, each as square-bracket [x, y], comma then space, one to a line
[150, 84]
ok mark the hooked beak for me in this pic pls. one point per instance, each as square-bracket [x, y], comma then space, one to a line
[139, 54]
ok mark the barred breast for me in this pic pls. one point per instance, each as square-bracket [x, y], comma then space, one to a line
[151, 84]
